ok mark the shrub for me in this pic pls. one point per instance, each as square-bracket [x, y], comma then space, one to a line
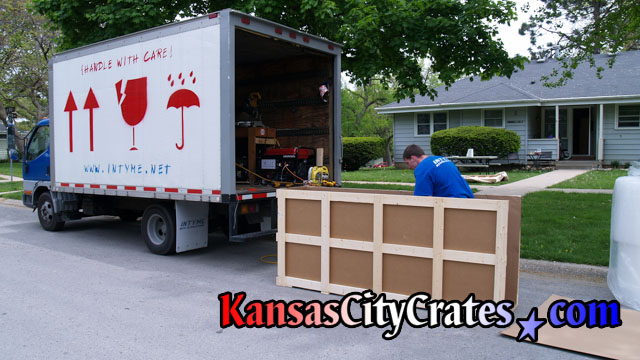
[483, 140]
[358, 150]
[615, 164]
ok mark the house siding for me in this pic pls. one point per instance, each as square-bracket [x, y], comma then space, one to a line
[404, 135]
[404, 129]
[471, 117]
[516, 121]
[620, 145]
[3, 143]
[544, 145]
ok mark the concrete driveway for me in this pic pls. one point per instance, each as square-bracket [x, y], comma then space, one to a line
[94, 291]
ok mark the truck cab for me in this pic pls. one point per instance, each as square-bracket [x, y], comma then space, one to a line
[36, 164]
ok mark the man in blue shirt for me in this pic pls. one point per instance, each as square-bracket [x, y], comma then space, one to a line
[435, 175]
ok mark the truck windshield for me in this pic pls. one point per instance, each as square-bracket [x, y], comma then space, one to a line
[39, 142]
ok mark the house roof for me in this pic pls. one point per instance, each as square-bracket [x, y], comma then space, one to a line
[525, 87]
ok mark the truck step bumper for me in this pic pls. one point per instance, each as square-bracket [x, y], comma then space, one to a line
[245, 237]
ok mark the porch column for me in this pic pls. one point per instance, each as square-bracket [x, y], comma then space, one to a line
[557, 132]
[600, 134]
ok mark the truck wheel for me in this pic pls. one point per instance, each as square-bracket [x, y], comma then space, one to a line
[159, 229]
[48, 218]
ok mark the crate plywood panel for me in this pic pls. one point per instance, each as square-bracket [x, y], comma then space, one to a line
[352, 221]
[406, 274]
[470, 230]
[460, 279]
[351, 268]
[417, 243]
[303, 261]
[308, 220]
[400, 225]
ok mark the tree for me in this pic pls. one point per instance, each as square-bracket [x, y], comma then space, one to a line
[381, 38]
[583, 28]
[25, 48]
[359, 117]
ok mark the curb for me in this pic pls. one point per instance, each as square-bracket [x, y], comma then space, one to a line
[12, 202]
[566, 269]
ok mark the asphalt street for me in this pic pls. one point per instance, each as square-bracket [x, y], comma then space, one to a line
[94, 291]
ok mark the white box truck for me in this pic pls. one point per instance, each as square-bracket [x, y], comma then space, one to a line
[188, 126]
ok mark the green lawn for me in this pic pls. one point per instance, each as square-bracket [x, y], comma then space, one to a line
[377, 186]
[565, 227]
[596, 179]
[390, 174]
[383, 187]
[15, 196]
[406, 176]
[17, 168]
[10, 186]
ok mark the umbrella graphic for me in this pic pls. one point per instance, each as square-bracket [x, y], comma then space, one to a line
[180, 99]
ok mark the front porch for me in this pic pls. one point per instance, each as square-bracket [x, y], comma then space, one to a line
[570, 133]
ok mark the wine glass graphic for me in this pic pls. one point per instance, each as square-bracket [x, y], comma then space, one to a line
[132, 98]
[182, 98]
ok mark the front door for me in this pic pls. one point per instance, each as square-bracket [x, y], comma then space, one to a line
[582, 132]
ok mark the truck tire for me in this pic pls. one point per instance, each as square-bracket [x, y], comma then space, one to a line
[46, 215]
[159, 229]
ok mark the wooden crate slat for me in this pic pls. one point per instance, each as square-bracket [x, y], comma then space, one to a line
[470, 257]
[325, 249]
[377, 244]
[500, 273]
[407, 250]
[438, 247]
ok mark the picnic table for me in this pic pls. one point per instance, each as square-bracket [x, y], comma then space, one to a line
[473, 161]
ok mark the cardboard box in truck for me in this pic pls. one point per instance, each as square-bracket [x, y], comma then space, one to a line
[178, 125]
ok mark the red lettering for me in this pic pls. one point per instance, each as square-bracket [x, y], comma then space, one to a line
[294, 311]
[229, 311]
[271, 309]
[315, 316]
[146, 56]
[331, 310]
[254, 314]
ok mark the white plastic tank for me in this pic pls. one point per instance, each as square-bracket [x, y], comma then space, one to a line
[624, 261]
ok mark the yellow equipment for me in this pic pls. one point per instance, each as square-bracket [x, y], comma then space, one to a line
[319, 176]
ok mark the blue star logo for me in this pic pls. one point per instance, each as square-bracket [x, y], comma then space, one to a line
[529, 327]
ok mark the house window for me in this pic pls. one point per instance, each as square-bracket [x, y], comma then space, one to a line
[629, 116]
[439, 121]
[549, 123]
[427, 124]
[423, 124]
[494, 118]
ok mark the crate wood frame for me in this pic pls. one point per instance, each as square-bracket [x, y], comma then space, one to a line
[378, 248]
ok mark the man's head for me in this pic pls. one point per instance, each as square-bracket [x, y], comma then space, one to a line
[413, 155]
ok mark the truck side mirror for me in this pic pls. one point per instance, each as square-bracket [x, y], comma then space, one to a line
[26, 167]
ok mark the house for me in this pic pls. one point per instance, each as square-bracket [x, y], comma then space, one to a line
[4, 155]
[586, 119]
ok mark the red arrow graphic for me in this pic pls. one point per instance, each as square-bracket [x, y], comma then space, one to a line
[91, 103]
[70, 108]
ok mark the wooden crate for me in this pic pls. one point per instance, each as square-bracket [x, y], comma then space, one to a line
[338, 241]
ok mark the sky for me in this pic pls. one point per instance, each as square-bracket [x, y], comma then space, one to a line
[513, 42]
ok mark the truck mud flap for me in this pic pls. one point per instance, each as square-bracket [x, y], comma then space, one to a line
[192, 225]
